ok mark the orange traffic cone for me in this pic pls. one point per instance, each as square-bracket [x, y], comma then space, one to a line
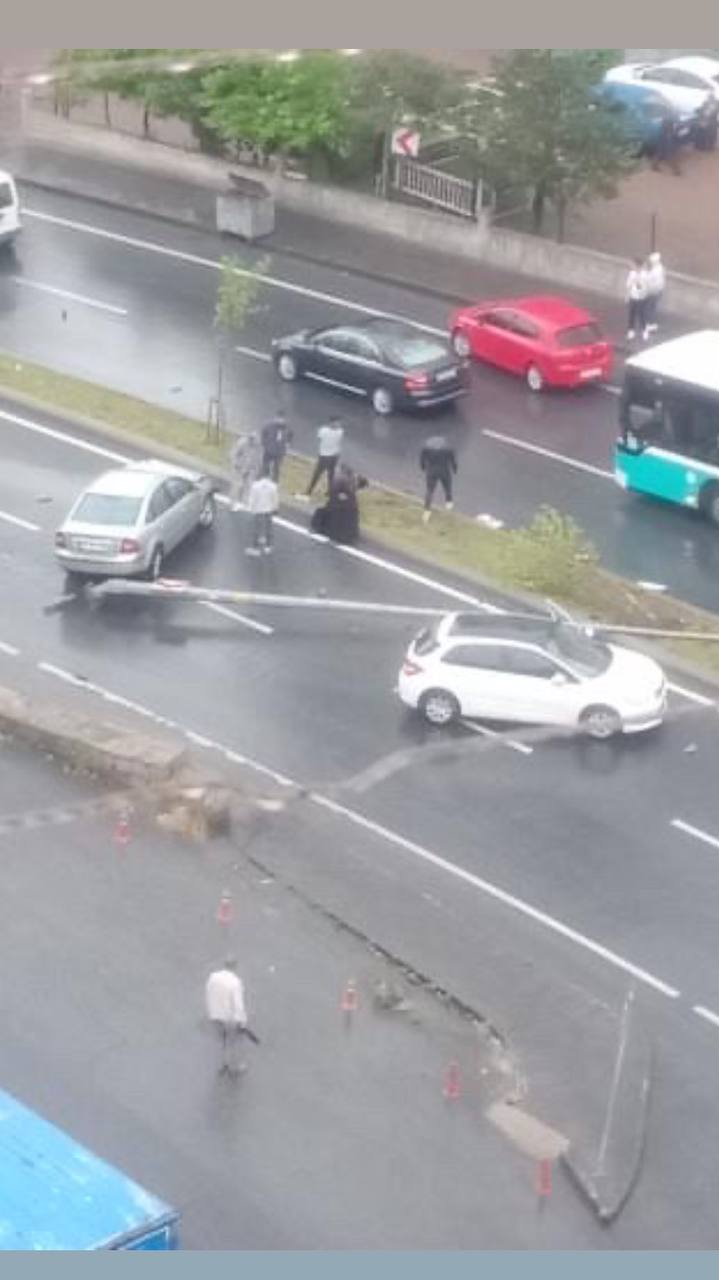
[224, 910]
[452, 1089]
[544, 1178]
[350, 998]
[122, 834]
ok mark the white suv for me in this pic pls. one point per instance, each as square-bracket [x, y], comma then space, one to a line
[694, 98]
[531, 669]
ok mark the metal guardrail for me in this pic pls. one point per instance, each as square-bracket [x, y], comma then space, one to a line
[432, 186]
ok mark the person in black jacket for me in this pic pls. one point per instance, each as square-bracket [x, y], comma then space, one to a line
[438, 461]
[339, 518]
[276, 438]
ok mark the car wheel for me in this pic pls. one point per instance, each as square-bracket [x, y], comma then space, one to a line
[287, 367]
[600, 722]
[461, 345]
[154, 569]
[709, 502]
[382, 401]
[535, 378]
[439, 707]
[207, 515]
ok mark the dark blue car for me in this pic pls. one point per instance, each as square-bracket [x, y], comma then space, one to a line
[641, 113]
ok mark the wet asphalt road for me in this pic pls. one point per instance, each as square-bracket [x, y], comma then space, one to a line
[587, 837]
[141, 321]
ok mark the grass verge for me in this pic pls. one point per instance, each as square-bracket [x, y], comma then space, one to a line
[550, 557]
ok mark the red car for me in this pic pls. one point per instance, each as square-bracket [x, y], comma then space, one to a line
[547, 341]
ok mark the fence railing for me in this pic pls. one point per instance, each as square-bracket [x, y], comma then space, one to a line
[433, 186]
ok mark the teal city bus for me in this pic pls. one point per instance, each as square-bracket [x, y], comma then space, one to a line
[669, 421]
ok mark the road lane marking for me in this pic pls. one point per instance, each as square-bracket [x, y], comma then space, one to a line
[695, 832]
[222, 609]
[21, 524]
[73, 297]
[549, 453]
[484, 732]
[499, 895]
[151, 246]
[706, 1014]
[256, 355]
[9, 649]
[367, 557]
[391, 837]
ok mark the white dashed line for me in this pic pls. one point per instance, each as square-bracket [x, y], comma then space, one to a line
[255, 355]
[707, 1014]
[484, 732]
[52, 433]
[21, 524]
[9, 650]
[262, 627]
[549, 453]
[72, 297]
[695, 832]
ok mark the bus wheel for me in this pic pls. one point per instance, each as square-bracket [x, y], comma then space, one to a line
[710, 502]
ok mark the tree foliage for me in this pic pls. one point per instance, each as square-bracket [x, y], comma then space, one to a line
[237, 293]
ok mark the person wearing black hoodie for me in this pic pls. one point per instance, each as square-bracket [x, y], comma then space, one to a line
[438, 461]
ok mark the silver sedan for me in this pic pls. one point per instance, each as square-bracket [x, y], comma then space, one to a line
[128, 520]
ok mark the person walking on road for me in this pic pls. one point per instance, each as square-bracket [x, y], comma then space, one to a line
[276, 438]
[225, 1007]
[245, 461]
[263, 502]
[438, 461]
[636, 296]
[656, 283]
[329, 448]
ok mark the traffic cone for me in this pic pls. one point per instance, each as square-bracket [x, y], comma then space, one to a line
[544, 1178]
[224, 910]
[452, 1089]
[350, 998]
[122, 834]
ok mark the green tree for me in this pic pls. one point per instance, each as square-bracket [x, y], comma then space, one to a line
[237, 299]
[281, 107]
[540, 131]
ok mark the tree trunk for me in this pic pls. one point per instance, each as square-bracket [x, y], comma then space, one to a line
[106, 105]
[561, 218]
[145, 121]
[538, 205]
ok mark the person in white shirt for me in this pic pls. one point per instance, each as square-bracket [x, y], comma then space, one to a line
[329, 448]
[263, 502]
[636, 295]
[656, 283]
[225, 1006]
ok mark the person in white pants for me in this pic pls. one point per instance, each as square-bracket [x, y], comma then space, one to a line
[263, 502]
[225, 1007]
[656, 283]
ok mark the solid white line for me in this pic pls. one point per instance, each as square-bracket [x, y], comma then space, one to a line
[151, 246]
[484, 732]
[549, 453]
[689, 830]
[692, 695]
[74, 297]
[707, 1014]
[21, 524]
[256, 355]
[99, 450]
[9, 649]
[262, 627]
[500, 895]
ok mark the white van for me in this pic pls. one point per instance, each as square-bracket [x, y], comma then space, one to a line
[9, 210]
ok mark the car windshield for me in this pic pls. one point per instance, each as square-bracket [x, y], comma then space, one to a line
[6, 196]
[412, 353]
[585, 655]
[579, 335]
[108, 508]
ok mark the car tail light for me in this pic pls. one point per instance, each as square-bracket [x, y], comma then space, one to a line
[129, 547]
[60, 540]
[412, 668]
[416, 382]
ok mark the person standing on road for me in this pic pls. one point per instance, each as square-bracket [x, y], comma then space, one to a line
[245, 461]
[636, 296]
[263, 502]
[656, 283]
[225, 1007]
[667, 149]
[276, 438]
[329, 448]
[438, 461]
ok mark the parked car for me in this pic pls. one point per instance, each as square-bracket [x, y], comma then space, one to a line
[640, 111]
[545, 340]
[697, 102]
[396, 365]
[9, 210]
[128, 520]
[693, 71]
[533, 670]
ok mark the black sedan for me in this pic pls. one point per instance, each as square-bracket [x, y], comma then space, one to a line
[395, 364]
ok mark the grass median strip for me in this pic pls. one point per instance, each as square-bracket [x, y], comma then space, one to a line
[549, 558]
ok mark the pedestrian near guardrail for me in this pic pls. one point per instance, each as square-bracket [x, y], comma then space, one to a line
[263, 502]
[245, 464]
[656, 283]
[225, 1007]
[636, 297]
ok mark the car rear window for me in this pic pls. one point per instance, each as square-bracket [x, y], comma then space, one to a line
[412, 353]
[108, 508]
[425, 642]
[579, 335]
[6, 195]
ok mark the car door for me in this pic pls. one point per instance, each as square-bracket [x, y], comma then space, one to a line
[477, 675]
[157, 522]
[335, 360]
[526, 346]
[186, 504]
[494, 339]
[542, 691]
